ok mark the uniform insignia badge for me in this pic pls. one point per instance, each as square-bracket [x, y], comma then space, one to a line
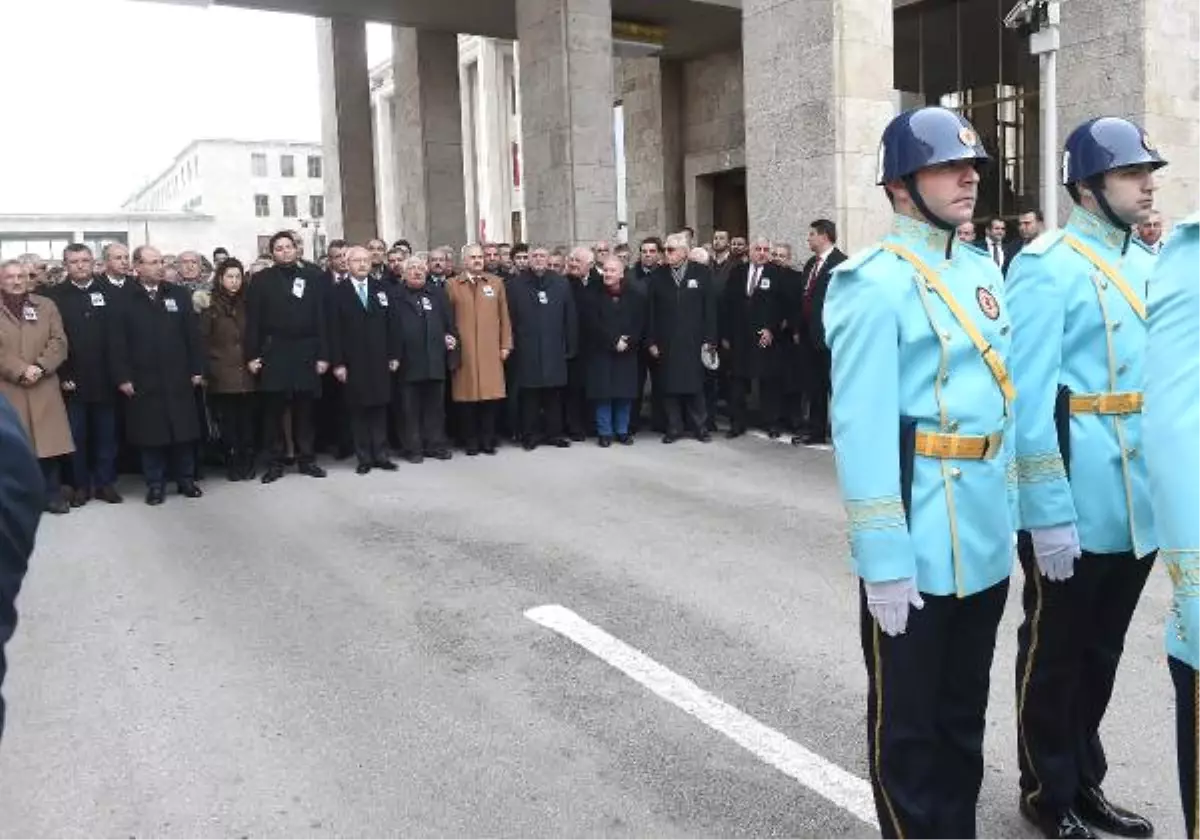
[987, 303]
[968, 137]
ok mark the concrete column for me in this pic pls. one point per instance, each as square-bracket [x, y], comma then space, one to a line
[430, 202]
[1136, 60]
[493, 143]
[567, 119]
[818, 94]
[346, 129]
[651, 92]
[385, 169]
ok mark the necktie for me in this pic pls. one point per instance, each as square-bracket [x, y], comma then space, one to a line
[997, 254]
[752, 282]
[362, 292]
[812, 277]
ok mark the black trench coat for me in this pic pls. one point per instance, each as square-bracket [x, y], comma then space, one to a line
[605, 318]
[545, 329]
[742, 317]
[682, 319]
[365, 340]
[158, 350]
[424, 320]
[91, 318]
[288, 332]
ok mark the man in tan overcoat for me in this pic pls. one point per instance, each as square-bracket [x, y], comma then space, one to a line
[481, 317]
[33, 345]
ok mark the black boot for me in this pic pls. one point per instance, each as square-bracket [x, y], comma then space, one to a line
[1056, 824]
[1094, 807]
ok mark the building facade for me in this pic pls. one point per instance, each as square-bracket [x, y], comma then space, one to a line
[247, 189]
[47, 234]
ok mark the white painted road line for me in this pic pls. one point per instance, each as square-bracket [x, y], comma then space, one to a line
[840, 787]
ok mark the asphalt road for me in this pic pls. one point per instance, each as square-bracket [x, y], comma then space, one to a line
[350, 656]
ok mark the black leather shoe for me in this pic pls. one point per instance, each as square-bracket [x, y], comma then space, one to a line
[58, 506]
[670, 438]
[311, 470]
[797, 440]
[1064, 824]
[155, 496]
[710, 424]
[704, 436]
[490, 449]
[363, 469]
[1097, 811]
[273, 473]
[560, 442]
[386, 465]
[79, 498]
[773, 434]
[735, 433]
[578, 437]
[107, 494]
[604, 442]
[442, 454]
[415, 458]
[528, 445]
[189, 490]
[625, 440]
[472, 451]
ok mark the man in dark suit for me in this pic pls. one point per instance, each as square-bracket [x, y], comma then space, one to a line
[822, 241]
[21, 503]
[332, 419]
[751, 312]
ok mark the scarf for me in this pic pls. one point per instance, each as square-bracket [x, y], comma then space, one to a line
[15, 303]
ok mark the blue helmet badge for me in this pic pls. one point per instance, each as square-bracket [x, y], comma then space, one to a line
[926, 137]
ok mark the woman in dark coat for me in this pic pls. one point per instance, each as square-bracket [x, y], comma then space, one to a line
[230, 384]
[614, 324]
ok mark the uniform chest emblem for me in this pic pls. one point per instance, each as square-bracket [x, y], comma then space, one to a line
[987, 303]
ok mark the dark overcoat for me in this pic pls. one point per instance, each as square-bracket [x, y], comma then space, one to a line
[424, 319]
[682, 319]
[612, 375]
[91, 318]
[743, 316]
[159, 352]
[287, 327]
[365, 338]
[545, 329]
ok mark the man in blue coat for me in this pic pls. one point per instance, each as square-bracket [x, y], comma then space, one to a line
[1079, 339]
[21, 503]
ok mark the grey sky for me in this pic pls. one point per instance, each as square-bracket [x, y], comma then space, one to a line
[101, 94]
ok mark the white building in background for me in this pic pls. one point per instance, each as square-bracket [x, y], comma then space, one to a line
[489, 86]
[249, 189]
[47, 234]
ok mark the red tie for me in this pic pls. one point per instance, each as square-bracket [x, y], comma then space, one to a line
[811, 286]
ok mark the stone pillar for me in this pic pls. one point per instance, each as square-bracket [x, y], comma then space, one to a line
[427, 139]
[818, 94]
[495, 171]
[385, 169]
[567, 119]
[651, 92]
[346, 136]
[1136, 60]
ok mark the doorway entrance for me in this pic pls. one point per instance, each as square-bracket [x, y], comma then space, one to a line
[729, 210]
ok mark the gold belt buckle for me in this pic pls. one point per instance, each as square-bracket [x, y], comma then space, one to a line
[991, 446]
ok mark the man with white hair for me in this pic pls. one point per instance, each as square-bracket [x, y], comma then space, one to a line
[584, 282]
[752, 312]
[683, 323]
[699, 256]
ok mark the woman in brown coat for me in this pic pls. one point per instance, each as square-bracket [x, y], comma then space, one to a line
[230, 384]
[33, 345]
[485, 335]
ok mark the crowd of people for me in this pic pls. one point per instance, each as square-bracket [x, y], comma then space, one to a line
[160, 364]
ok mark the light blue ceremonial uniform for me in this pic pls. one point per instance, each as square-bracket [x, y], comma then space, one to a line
[1073, 327]
[1172, 427]
[899, 352]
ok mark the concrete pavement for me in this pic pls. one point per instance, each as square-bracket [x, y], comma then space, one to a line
[350, 656]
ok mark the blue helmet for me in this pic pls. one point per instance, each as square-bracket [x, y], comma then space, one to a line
[926, 137]
[1103, 144]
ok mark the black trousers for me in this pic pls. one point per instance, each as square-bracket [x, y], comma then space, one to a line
[1068, 648]
[1187, 701]
[235, 419]
[768, 402]
[541, 411]
[275, 405]
[674, 406]
[817, 391]
[368, 428]
[179, 458]
[477, 420]
[927, 700]
[332, 418]
[647, 375]
[423, 427]
[576, 404]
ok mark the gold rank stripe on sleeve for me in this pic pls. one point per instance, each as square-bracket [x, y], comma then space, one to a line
[878, 514]
[1183, 567]
[1114, 276]
[1032, 469]
[990, 357]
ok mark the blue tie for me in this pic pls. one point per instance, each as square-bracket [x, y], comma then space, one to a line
[362, 292]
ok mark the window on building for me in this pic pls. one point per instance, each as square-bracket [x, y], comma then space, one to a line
[289, 207]
[264, 245]
[262, 206]
[287, 166]
[314, 166]
[316, 206]
[258, 165]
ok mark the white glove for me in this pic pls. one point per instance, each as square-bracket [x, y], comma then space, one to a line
[889, 601]
[1056, 550]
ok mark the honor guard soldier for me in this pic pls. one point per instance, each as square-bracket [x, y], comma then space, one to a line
[1172, 429]
[922, 400]
[1079, 340]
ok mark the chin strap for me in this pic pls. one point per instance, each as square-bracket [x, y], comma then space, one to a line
[910, 181]
[1096, 184]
